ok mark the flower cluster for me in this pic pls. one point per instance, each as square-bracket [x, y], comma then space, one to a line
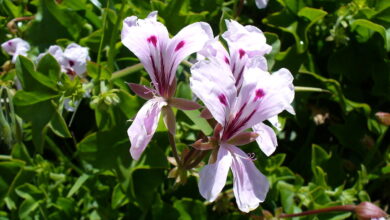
[16, 47]
[235, 86]
[73, 59]
[233, 83]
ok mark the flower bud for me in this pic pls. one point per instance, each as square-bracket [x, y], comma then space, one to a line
[369, 211]
[383, 117]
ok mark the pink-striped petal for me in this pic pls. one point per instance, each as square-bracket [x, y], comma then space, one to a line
[144, 125]
[147, 39]
[266, 140]
[250, 186]
[190, 39]
[249, 39]
[213, 83]
[213, 176]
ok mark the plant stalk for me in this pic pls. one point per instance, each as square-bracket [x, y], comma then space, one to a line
[126, 71]
[341, 208]
[174, 149]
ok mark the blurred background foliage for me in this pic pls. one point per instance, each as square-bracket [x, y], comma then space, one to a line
[62, 165]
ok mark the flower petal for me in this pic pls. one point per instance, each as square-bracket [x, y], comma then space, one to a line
[250, 39]
[55, 51]
[263, 95]
[16, 47]
[261, 3]
[213, 83]
[213, 176]
[250, 186]
[280, 92]
[148, 39]
[190, 39]
[266, 139]
[75, 58]
[144, 126]
[214, 48]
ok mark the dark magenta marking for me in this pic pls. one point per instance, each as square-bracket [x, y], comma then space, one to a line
[179, 45]
[226, 60]
[152, 39]
[71, 62]
[241, 52]
[222, 99]
[259, 94]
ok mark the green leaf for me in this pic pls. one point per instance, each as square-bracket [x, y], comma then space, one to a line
[118, 197]
[365, 29]
[129, 104]
[200, 123]
[299, 28]
[93, 71]
[77, 185]
[105, 149]
[28, 191]
[62, 23]
[273, 40]
[29, 205]
[190, 209]
[163, 210]
[49, 66]
[145, 183]
[23, 98]
[32, 80]
[59, 126]
[319, 156]
[43, 113]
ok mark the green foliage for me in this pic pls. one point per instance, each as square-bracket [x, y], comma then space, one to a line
[56, 164]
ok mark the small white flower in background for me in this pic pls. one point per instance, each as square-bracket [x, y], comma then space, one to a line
[16, 47]
[261, 3]
[73, 59]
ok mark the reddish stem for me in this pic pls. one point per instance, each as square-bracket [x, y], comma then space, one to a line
[340, 208]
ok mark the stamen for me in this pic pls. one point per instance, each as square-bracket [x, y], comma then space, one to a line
[252, 156]
[150, 90]
[70, 72]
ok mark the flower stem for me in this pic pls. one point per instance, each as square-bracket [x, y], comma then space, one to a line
[340, 208]
[126, 71]
[174, 149]
[309, 89]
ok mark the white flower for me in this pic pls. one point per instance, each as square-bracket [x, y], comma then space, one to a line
[16, 47]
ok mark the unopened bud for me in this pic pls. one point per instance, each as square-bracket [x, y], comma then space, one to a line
[383, 117]
[369, 211]
[199, 145]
